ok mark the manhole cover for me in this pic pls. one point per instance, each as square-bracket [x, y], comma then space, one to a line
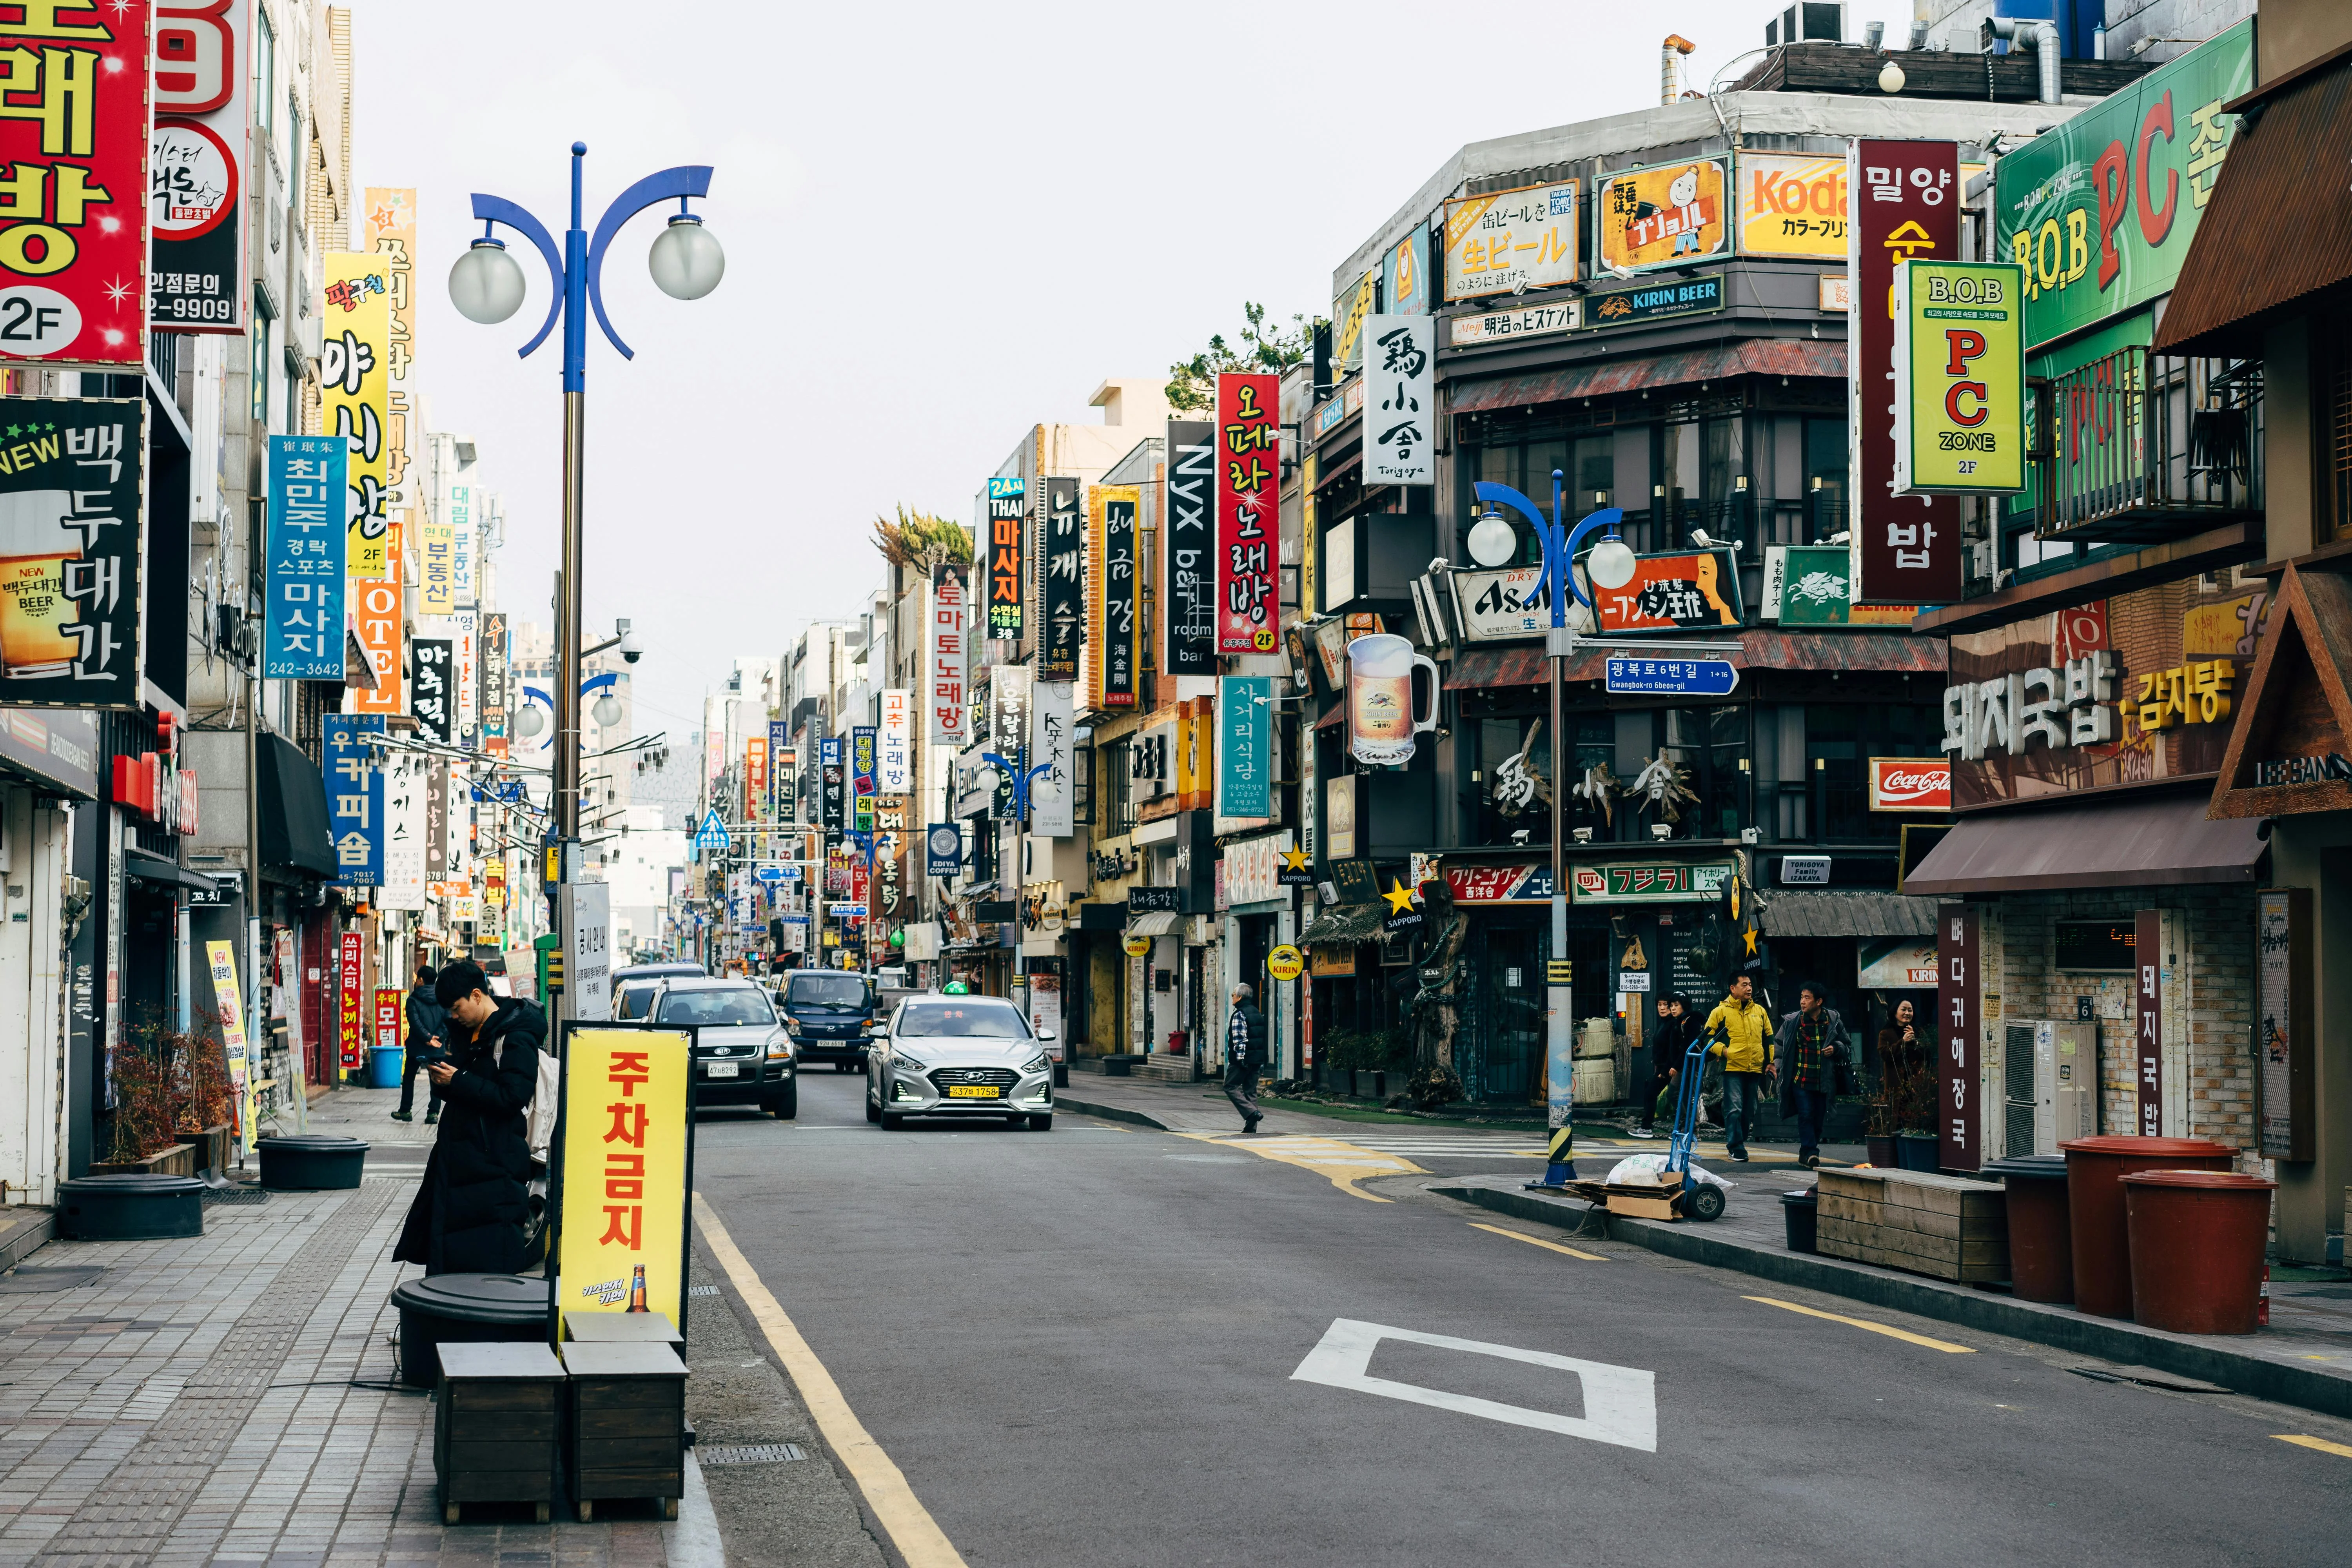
[751, 1454]
[30, 1281]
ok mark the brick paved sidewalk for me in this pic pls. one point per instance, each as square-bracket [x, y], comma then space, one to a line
[231, 1400]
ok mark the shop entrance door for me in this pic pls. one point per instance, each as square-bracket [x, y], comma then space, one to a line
[1510, 1002]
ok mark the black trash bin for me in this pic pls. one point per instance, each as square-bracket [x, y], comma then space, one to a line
[462, 1308]
[130, 1207]
[1801, 1213]
[311, 1161]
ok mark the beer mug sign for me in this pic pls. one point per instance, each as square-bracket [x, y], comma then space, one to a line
[1382, 718]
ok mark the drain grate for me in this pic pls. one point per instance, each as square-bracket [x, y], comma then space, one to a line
[703, 1289]
[236, 1194]
[751, 1454]
[25, 1282]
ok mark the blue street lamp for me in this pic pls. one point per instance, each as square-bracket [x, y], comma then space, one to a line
[1493, 542]
[487, 286]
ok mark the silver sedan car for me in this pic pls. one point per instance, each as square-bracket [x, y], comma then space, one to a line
[959, 1055]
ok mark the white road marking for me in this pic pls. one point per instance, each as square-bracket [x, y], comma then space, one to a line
[1620, 1404]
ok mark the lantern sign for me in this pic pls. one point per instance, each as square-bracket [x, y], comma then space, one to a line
[1959, 378]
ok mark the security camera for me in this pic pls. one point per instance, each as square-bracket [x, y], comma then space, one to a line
[631, 650]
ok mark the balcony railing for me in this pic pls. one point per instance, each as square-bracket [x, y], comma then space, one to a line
[2141, 447]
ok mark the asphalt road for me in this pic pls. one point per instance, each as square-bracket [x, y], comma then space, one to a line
[1080, 1348]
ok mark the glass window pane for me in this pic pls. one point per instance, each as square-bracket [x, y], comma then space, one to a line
[1595, 475]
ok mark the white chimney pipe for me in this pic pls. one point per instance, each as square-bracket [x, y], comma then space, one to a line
[2041, 37]
[1670, 66]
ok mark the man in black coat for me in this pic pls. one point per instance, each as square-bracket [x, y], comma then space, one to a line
[470, 1215]
[427, 1020]
[1245, 1054]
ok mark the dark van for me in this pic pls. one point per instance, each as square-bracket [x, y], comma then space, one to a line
[829, 1013]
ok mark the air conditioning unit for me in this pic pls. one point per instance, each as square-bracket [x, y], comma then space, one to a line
[2050, 1074]
[1809, 21]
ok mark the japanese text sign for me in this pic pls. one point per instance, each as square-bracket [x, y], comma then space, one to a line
[1244, 745]
[1675, 591]
[303, 619]
[1008, 520]
[1903, 205]
[1792, 204]
[1509, 240]
[72, 566]
[1646, 883]
[1249, 492]
[74, 123]
[1956, 1145]
[355, 385]
[1064, 577]
[434, 701]
[1116, 614]
[625, 1151]
[354, 784]
[1400, 400]
[1404, 273]
[377, 620]
[197, 273]
[1667, 215]
[1959, 378]
[946, 656]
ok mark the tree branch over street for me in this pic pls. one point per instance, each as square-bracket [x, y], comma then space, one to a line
[918, 541]
[1192, 383]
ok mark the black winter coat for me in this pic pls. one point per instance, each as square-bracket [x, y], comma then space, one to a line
[427, 1020]
[1246, 1035]
[1673, 1037]
[470, 1213]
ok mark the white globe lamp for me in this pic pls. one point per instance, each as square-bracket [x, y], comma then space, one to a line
[1493, 542]
[1610, 562]
[685, 260]
[607, 711]
[485, 284]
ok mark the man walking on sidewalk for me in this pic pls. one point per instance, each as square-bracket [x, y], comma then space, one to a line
[1245, 1054]
[1740, 1032]
[427, 1021]
[1812, 1043]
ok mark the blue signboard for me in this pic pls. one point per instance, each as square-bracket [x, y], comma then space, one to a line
[943, 849]
[712, 835]
[782, 783]
[354, 778]
[1244, 754]
[302, 613]
[769, 873]
[1635, 676]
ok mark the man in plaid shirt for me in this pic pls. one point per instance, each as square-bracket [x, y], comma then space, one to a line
[1813, 1048]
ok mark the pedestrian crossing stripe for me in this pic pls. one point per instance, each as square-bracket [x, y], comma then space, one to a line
[1342, 1164]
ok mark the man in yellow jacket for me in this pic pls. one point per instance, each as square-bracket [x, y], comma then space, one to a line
[1740, 1033]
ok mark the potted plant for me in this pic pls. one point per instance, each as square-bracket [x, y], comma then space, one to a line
[148, 1097]
[1878, 1134]
[207, 1105]
[1908, 1101]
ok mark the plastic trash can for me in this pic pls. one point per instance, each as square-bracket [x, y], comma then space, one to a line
[2041, 1236]
[1801, 1212]
[312, 1163]
[2197, 1245]
[465, 1309]
[2101, 1242]
[130, 1207]
[384, 1063]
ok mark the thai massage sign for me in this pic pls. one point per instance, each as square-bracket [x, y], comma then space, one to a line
[625, 1159]
[72, 576]
[1959, 378]
[74, 121]
[1676, 592]
[1007, 521]
[1249, 490]
[1668, 215]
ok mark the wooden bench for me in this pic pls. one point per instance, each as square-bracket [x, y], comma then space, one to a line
[1948, 1227]
[498, 1425]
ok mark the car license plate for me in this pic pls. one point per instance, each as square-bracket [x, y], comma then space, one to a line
[974, 1091]
[723, 1070]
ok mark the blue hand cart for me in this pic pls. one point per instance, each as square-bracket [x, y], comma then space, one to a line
[1700, 1200]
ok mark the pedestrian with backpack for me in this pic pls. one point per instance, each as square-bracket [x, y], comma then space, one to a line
[472, 1211]
[427, 1020]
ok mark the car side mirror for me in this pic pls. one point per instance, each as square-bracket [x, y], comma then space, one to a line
[1048, 1036]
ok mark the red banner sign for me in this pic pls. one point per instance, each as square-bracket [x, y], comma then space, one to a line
[1499, 884]
[387, 1018]
[1957, 1144]
[2148, 1019]
[1689, 590]
[1903, 205]
[354, 1033]
[1910, 784]
[73, 228]
[1249, 506]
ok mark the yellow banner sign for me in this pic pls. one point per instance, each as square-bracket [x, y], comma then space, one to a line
[391, 215]
[1667, 215]
[356, 386]
[1792, 205]
[230, 1001]
[621, 1219]
[1959, 378]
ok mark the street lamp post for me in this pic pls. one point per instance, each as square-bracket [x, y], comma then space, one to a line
[1017, 769]
[487, 286]
[1493, 542]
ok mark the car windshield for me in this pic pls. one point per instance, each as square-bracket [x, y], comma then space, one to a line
[630, 1001]
[827, 991]
[746, 1005]
[975, 1018]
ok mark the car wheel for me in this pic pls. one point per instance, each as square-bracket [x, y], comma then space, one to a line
[892, 1121]
[1044, 1123]
[1015, 1120]
[787, 1105]
[873, 1110]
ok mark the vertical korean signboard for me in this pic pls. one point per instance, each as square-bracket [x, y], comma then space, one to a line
[1400, 400]
[1064, 583]
[1956, 1148]
[377, 620]
[1959, 378]
[1245, 749]
[784, 779]
[894, 758]
[355, 385]
[354, 782]
[436, 714]
[2148, 1020]
[1189, 605]
[755, 778]
[391, 215]
[1008, 520]
[72, 576]
[197, 273]
[303, 619]
[945, 656]
[1904, 205]
[2284, 1093]
[861, 778]
[625, 1159]
[1249, 482]
[1114, 628]
[494, 682]
[74, 123]
[351, 1008]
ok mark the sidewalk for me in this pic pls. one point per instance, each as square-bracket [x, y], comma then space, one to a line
[2303, 1357]
[231, 1399]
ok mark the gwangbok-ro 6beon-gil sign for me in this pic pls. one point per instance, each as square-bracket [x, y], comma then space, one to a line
[1959, 378]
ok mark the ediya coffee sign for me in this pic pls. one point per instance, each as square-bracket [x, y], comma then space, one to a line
[1910, 784]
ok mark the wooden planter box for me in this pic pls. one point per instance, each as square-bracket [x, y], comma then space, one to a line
[178, 1159]
[496, 1424]
[628, 1424]
[212, 1147]
[1947, 1227]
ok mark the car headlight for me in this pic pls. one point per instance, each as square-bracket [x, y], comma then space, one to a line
[905, 1090]
[791, 1025]
[1041, 1062]
[780, 1048]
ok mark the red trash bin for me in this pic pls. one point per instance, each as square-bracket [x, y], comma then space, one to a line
[2197, 1243]
[2040, 1249]
[2094, 1206]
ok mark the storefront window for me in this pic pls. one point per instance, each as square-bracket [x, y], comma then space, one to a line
[1825, 474]
[1840, 739]
[1708, 745]
[1513, 768]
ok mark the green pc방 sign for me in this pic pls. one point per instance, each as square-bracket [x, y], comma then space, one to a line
[2100, 212]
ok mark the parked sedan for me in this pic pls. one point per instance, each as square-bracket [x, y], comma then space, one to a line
[959, 1055]
[741, 1054]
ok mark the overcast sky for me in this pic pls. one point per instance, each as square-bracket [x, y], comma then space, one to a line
[943, 223]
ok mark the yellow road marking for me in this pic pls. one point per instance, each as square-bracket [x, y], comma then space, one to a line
[1343, 1164]
[917, 1537]
[2340, 1450]
[1538, 1241]
[1888, 1330]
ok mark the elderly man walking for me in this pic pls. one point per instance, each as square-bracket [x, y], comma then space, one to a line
[1245, 1054]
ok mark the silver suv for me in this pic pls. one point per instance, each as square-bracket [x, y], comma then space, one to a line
[959, 1055]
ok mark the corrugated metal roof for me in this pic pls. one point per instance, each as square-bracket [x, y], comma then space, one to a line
[1762, 648]
[1346, 926]
[1798, 914]
[1604, 377]
[2275, 230]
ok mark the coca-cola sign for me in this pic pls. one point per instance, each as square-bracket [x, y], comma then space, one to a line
[1910, 784]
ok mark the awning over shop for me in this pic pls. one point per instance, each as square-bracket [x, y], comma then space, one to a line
[1159, 922]
[1800, 914]
[1524, 664]
[1345, 926]
[293, 810]
[1604, 377]
[2096, 844]
[146, 868]
[2243, 265]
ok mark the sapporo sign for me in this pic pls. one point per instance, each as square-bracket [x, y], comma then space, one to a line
[626, 1153]
[1959, 376]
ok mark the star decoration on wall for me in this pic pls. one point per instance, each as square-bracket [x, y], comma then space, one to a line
[1399, 896]
[1294, 859]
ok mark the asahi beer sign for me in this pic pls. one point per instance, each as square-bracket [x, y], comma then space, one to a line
[1499, 606]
